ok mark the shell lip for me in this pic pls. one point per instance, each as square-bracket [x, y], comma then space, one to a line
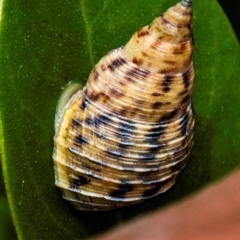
[68, 91]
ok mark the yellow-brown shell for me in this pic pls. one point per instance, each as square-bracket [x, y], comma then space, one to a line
[127, 135]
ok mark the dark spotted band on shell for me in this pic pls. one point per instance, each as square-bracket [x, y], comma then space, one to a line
[128, 134]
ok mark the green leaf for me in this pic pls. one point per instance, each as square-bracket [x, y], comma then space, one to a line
[7, 231]
[43, 45]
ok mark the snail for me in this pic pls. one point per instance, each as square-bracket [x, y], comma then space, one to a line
[128, 133]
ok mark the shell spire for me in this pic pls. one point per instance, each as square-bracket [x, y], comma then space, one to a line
[187, 3]
[165, 46]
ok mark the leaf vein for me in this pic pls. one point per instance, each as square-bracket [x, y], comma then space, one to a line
[88, 31]
[101, 11]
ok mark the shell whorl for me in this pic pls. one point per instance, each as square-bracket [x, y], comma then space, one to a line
[126, 136]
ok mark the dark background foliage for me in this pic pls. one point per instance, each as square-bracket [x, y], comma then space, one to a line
[232, 8]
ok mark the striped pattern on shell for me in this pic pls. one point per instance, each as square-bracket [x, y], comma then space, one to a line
[128, 134]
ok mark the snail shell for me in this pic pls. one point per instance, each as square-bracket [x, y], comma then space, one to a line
[127, 134]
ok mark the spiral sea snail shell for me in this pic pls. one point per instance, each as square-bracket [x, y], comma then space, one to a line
[127, 134]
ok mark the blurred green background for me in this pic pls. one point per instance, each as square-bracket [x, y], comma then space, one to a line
[231, 9]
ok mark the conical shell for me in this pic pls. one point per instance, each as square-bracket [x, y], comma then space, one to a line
[127, 135]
